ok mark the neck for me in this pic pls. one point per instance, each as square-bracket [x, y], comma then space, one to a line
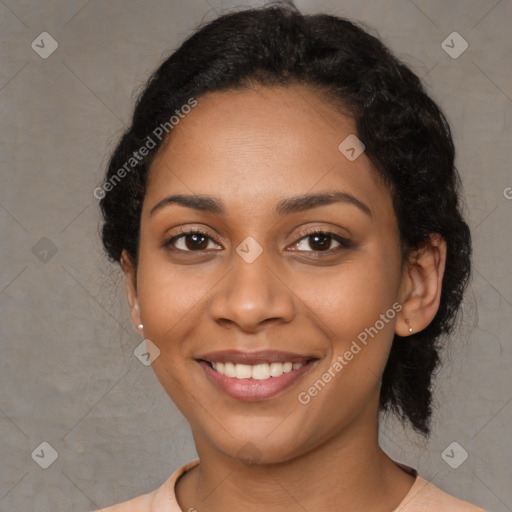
[349, 471]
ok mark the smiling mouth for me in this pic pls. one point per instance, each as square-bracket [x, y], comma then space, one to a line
[255, 382]
[253, 376]
[261, 371]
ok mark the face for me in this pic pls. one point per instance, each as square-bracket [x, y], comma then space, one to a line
[270, 278]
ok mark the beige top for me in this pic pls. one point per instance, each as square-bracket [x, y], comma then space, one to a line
[422, 497]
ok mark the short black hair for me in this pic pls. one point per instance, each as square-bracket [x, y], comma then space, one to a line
[406, 137]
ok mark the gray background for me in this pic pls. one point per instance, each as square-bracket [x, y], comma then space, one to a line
[68, 375]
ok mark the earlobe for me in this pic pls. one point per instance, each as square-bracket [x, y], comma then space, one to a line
[131, 288]
[421, 286]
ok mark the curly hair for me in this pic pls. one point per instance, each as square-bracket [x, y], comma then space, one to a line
[406, 136]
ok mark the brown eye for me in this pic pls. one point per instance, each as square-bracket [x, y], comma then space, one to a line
[196, 241]
[320, 241]
[191, 241]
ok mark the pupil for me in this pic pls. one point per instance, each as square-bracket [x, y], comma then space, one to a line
[326, 241]
[195, 237]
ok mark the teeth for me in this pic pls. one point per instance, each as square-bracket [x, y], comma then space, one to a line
[229, 369]
[276, 369]
[242, 371]
[257, 371]
[260, 371]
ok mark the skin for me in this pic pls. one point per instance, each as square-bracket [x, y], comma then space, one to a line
[252, 148]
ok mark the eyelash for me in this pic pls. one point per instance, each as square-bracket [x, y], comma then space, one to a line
[344, 243]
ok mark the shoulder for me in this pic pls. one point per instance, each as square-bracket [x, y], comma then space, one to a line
[162, 499]
[425, 496]
[141, 503]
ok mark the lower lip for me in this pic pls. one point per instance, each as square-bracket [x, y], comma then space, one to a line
[253, 389]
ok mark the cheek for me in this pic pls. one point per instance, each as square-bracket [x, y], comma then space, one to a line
[355, 309]
[167, 296]
[166, 290]
[353, 297]
[167, 300]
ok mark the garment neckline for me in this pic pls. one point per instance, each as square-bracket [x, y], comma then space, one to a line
[417, 484]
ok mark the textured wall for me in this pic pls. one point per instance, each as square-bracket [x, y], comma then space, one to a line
[68, 376]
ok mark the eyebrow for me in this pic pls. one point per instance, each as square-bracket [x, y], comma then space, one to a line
[286, 206]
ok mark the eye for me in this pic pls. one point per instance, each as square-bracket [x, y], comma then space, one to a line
[320, 241]
[196, 240]
[191, 240]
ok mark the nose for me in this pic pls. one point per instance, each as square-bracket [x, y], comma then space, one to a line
[251, 295]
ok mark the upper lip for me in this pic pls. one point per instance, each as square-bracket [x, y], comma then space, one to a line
[252, 358]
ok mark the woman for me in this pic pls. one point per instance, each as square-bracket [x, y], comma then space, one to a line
[285, 209]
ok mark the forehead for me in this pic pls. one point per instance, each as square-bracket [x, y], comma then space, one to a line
[255, 146]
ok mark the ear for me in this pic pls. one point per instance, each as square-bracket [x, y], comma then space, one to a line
[420, 289]
[131, 287]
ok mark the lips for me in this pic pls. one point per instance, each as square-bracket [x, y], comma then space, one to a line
[248, 376]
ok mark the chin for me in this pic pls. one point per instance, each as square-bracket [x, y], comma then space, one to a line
[258, 446]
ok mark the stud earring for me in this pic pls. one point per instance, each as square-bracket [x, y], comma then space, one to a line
[410, 328]
[140, 327]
